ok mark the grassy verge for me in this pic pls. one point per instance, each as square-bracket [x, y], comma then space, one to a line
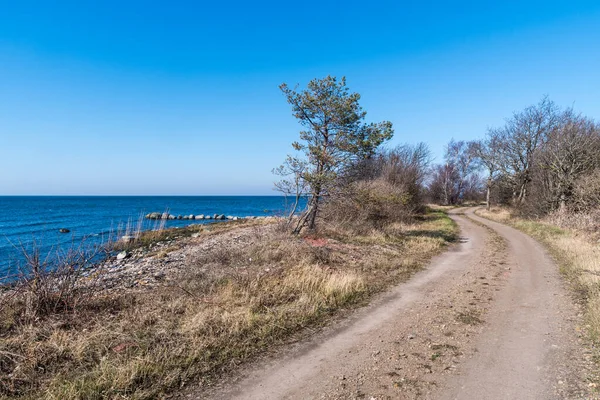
[578, 256]
[228, 305]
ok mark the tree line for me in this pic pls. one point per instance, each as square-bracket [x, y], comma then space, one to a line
[544, 158]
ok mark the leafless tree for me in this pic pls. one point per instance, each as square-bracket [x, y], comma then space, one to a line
[519, 141]
[487, 151]
[572, 150]
[292, 183]
[456, 180]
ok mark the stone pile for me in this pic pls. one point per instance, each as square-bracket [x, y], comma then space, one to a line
[165, 215]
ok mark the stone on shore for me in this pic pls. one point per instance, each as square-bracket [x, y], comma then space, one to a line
[128, 238]
[122, 255]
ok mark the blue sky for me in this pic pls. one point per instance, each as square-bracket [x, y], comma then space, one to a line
[182, 97]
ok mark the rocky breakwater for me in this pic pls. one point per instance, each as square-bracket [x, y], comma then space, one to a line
[167, 216]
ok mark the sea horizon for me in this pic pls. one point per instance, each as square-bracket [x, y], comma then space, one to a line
[39, 219]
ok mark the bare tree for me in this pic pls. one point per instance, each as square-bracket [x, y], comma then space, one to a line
[292, 183]
[456, 179]
[487, 151]
[519, 140]
[572, 149]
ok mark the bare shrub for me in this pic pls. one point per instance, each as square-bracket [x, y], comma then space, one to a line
[380, 190]
[52, 284]
[586, 192]
[369, 204]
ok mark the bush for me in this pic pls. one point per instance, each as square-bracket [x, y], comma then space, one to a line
[53, 284]
[385, 188]
[370, 204]
[587, 192]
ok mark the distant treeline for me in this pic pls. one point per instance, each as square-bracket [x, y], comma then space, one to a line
[543, 159]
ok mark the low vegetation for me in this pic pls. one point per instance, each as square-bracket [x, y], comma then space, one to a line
[226, 306]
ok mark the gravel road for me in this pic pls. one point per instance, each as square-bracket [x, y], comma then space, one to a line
[489, 319]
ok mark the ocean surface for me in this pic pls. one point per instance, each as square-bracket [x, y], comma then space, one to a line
[25, 220]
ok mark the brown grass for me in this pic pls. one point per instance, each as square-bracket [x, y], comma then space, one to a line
[228, 305]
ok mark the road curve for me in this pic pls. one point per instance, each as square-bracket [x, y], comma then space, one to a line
[528, 337]
[486, 320]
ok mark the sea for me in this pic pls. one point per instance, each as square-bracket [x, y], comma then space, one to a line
[35, 221]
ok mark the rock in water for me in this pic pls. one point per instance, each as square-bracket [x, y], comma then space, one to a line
[64, 230]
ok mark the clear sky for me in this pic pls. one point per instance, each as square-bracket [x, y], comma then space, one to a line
[148, 97]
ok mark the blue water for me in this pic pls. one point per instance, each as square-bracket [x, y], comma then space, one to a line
[24, 220]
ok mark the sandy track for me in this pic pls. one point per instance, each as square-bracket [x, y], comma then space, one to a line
[487, 320]
[529, 348]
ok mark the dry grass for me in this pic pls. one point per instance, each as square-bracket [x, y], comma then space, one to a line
[229, 304]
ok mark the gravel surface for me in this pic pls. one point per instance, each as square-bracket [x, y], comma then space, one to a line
[490, 319]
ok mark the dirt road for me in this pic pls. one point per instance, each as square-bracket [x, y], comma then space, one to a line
[490, 319]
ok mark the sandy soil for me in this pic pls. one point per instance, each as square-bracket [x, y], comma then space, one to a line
[490, 319]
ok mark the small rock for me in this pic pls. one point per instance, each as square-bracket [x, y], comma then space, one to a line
[122, 255]
[64, 230]
[128, 238]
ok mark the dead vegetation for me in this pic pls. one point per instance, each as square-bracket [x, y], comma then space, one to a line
[227, 305]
